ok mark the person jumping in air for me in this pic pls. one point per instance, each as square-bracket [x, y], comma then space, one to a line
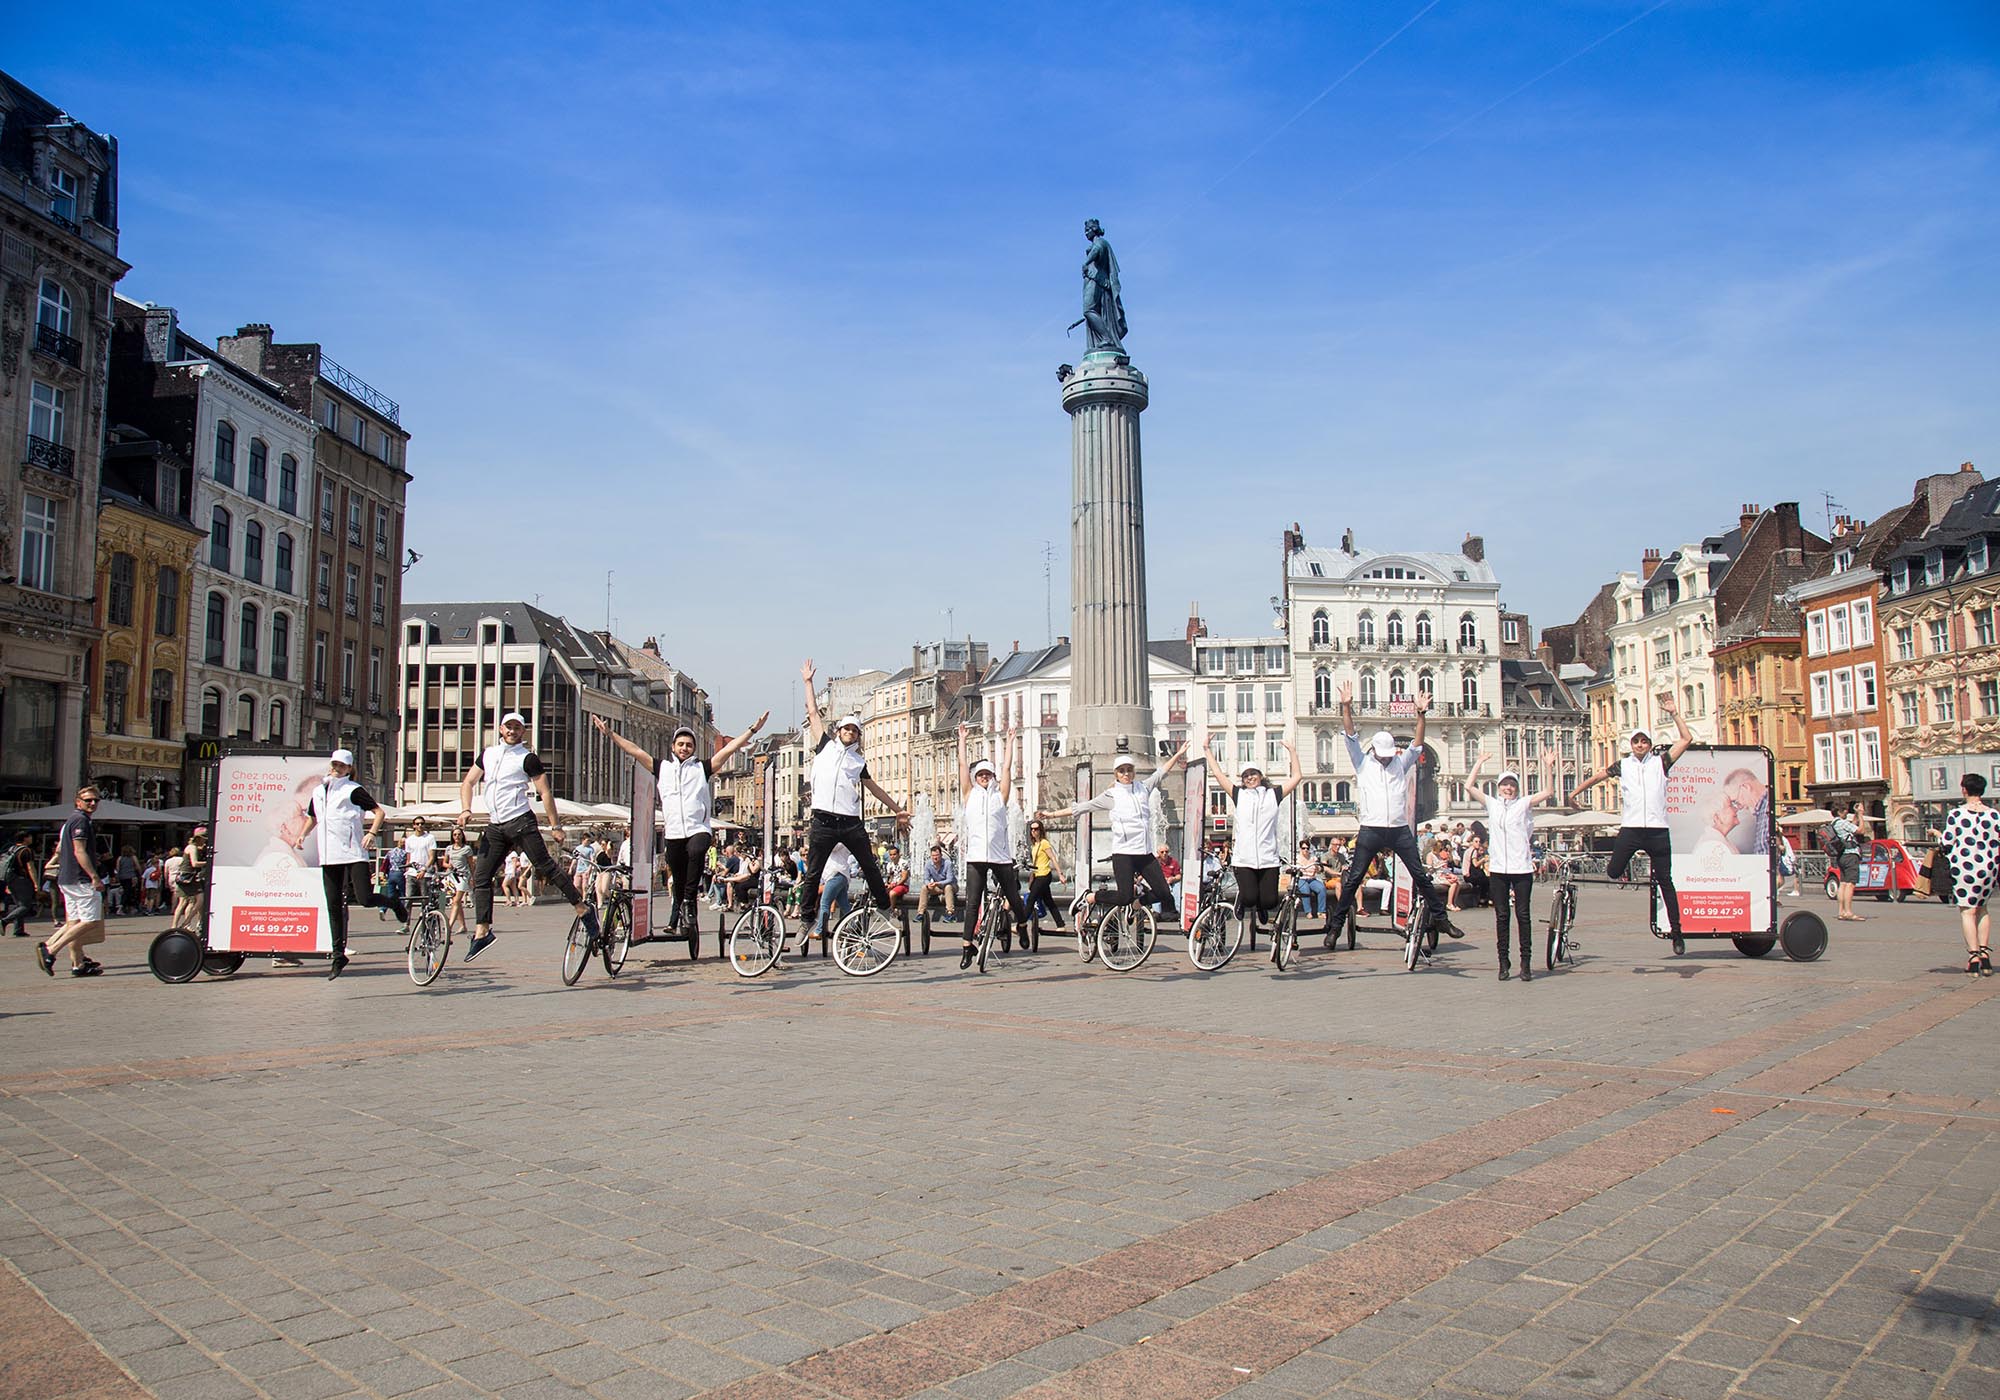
[985, 842]
[687, 806]
[1129, 801]
[511, 770]
[1382, 789]
[839, 777]
[1255, 854]
[1642, 791]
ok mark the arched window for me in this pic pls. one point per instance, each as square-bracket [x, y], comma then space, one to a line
[282, 578]
[52, 307]
[124, 584]
[1394, 631]
[1471, 749]
[167, 603]
[1367, 690]
[253, 551]
[225, 453]
[276, 733]
[1322, 690]
[1323, 749]
[1468, 632]
[211, 711]
[246, 638]
[1322, 630]
[257, 480]
[1424, 636]
[1398, 687]
[161, 706]
[117, 689]
[215, 642]
[288, 484]
[246, 716]
[1468, 689]
[218, 540]
[1364, 629]
[1343, 792]
[1426, 685]
[281, 646]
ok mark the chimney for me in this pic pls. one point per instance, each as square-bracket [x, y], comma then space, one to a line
[1062, 641]
[1648, 561]
[652, 648]
[1195, 626]
[1965, 466]
[250, 347]
[1747, 516]
[162, 333]
[1474, 549]
[1347, 541]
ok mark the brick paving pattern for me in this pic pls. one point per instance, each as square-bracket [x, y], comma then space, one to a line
[1646, 1176]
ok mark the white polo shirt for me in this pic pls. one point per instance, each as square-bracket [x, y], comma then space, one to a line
[1381, 789]
[838, 771]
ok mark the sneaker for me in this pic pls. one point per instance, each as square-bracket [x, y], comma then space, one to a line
[337, 966]
[478, 945]
[965, 956]
[46, 959]
[88, 969]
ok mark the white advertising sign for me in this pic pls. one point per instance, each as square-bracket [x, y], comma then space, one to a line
[266, 894]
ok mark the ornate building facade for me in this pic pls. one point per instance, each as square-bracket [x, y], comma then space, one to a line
[146, 545]
[59, 265]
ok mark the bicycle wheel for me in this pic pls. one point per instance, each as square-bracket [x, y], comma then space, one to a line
[1285, 935]
[576, 951]
[1086, 936]
[992, 926]
[756, 941]
[1215, 937]
[1126, 939]
[617, 936]
[430, 942]
[865, 942]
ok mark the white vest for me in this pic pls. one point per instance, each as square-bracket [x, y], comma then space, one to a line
[1256, 846]
[985, 836]
[508, 793]
[1510, 836]
[340, 822]
[1131, 810]
[686, 799]
[836, 778]
[1642, 787]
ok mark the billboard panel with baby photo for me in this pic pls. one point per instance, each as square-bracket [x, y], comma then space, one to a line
[265, 892]
[1725, 866]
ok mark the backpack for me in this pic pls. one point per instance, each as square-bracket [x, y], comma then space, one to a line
[9, 863]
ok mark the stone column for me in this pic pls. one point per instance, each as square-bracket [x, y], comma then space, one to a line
[1109, 693]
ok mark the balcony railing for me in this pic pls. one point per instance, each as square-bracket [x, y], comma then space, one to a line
[347, 695]
[353, 384]
[51, 456]
[52, 342]
[375, 615]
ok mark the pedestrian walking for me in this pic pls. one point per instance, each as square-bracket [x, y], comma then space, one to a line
[1972, 836]
[81, 881]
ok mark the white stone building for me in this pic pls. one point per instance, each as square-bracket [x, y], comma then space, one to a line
[1394, 626]
[1661, 641]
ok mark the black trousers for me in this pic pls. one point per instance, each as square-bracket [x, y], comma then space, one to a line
[830, 829]
[1042, 889]
[1511, 892]
[1400, 842]
[502, 839]
[23, 907]
[687, 859]
[1659, 849]
[1256, 888]
[1003, 874]
[1128, 871]
[345, 885]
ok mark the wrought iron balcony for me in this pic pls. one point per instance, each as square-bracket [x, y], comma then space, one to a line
[51, 456]
[52, 342]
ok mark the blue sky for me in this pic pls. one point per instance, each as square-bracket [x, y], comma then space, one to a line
[759, 306]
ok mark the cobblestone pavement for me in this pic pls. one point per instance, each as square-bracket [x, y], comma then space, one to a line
[1644, 1176]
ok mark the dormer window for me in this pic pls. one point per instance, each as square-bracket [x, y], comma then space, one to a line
[1899, 579]
[1843, 561]
[1975, 557]
[62, 194]
[1933, 567]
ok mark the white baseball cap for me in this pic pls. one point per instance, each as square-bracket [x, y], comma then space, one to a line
[1639, 734]
[513, 717]
[1510, 776]
[1384, 744]
[985, 765]
[345, 756]
[846, 720]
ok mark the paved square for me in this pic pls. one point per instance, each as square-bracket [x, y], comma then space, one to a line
[1644, 1176]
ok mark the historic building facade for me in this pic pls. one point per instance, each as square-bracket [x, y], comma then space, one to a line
[252, 458]
[146, 545]
[356, 503]
[1941, 644]
[1393, 626]
[59, 265]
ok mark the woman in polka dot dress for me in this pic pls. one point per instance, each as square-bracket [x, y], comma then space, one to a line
[1972, 837]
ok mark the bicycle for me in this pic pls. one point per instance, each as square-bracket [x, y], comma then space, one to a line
[611, 940]
[1122, 935]
[996, 923]
[428, 942]
[758, 938]
[867, 940]
[1562, 915]
[1285, 924]
[1420, 935]
[615, 916]
[1217, 931]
